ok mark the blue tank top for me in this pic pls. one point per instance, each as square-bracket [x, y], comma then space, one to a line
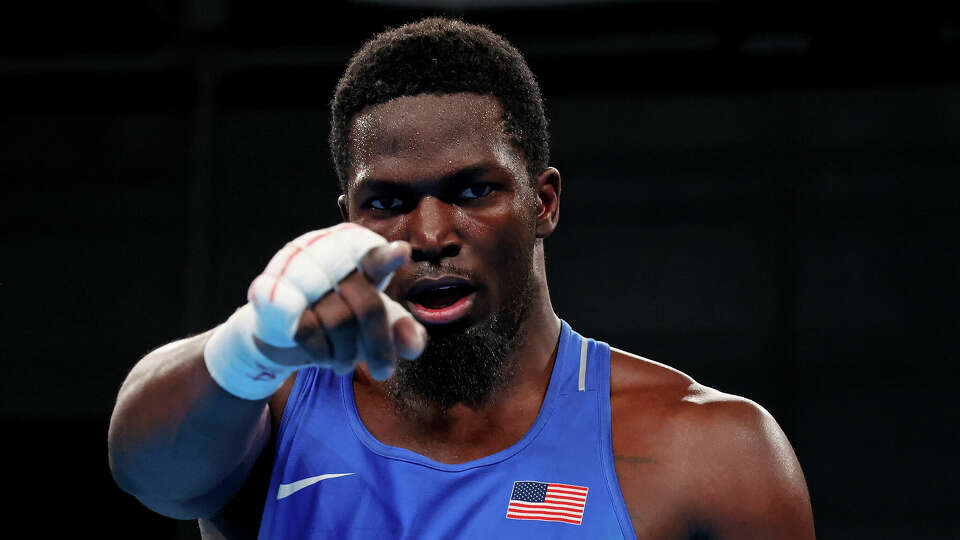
[332, 479]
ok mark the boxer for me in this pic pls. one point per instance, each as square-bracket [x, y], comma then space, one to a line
[404, 374]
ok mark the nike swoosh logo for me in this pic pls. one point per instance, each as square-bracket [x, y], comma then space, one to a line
[289, 489]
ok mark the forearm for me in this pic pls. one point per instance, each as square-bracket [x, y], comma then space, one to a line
[178, 441]
[186, 429]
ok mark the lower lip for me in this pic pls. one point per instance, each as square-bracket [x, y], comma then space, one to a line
[443, 315]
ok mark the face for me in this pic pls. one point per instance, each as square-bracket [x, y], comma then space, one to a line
[440, 173]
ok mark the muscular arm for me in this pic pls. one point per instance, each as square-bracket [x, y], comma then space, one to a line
[693, 462]
[745, 479]
[179, 442]
[182, 443]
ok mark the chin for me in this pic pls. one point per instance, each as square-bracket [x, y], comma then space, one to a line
[466, 361]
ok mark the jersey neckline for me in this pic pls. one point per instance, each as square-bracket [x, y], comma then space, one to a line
[402, 454]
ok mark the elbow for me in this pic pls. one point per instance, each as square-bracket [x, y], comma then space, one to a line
[122, 471]
[138, 475]
[129, 465]
[116, 458]
[126, 478]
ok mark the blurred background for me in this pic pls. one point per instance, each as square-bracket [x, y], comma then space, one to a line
[763, 196]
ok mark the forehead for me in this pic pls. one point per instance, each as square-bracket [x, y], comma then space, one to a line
[428, 136]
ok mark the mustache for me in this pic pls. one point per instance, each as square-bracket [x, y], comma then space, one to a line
[426, 270]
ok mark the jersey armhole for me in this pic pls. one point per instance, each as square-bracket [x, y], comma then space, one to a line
[602, 373]
[292, 404]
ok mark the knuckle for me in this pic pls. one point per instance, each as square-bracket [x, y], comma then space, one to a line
[365, 302]
[317, 344]
[333, 311]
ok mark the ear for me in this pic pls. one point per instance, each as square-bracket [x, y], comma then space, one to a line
[548, 201]
[344, 211]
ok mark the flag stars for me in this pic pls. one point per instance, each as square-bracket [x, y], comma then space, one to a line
[542, 501]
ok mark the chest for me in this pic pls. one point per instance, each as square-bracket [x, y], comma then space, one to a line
[333, 478]
[502, 502]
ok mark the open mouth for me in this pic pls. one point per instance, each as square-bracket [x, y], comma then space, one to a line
[440, 297]
[440, 301]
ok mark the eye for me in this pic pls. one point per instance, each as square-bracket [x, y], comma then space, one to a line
[386, 203]
[476, 191]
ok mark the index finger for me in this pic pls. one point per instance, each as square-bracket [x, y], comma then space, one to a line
[379, 263]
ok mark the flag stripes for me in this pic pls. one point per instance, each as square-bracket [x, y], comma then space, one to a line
[542, 501]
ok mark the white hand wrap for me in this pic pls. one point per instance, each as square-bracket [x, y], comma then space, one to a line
[235, 362]
[297, 276]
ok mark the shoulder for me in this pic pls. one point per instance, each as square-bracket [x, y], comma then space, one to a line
[725, 455]
[683, 407]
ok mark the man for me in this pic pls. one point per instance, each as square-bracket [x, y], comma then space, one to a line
[454, 402]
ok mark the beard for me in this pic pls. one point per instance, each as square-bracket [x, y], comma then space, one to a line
[469, 365]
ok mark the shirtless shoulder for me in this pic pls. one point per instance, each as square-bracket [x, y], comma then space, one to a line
[696, 462]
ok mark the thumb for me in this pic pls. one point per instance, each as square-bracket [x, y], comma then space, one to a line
[296, 355]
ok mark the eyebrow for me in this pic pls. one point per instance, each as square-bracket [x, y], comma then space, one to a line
[463, 175]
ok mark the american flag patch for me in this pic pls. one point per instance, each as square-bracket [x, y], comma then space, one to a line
[544, 501]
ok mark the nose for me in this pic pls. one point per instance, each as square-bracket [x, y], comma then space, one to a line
[433, 231]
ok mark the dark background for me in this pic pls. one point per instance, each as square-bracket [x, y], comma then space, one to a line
[761, 196]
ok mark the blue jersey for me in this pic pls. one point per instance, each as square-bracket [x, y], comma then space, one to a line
[333, 479]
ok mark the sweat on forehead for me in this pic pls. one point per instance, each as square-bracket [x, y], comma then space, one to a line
[430, 131]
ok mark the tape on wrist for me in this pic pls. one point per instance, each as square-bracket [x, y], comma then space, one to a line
[235, 362]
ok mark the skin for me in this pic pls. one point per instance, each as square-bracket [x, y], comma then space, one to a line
[691, 461]
[418, 145]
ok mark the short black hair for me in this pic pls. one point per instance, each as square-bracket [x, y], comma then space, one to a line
[441, 56]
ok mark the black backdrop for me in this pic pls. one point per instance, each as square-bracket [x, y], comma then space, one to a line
[764, 198]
